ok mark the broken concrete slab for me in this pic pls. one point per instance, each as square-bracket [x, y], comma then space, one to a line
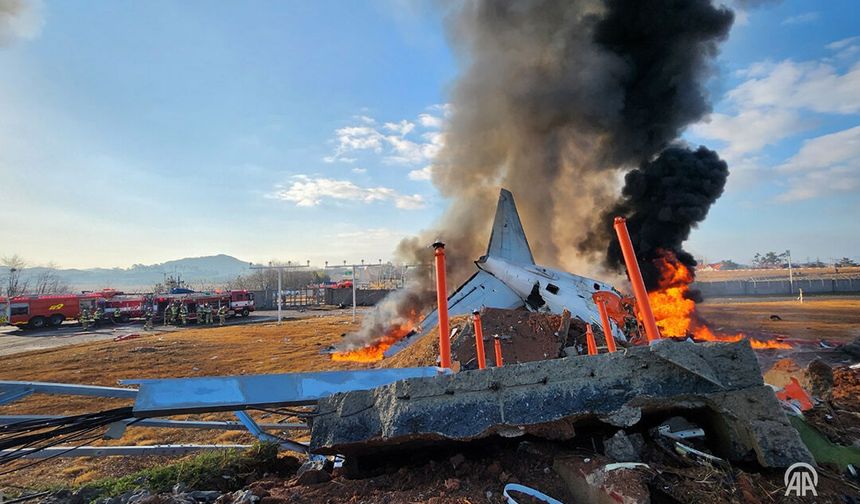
[547, 398]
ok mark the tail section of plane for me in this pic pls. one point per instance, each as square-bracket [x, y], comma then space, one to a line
[508, 240]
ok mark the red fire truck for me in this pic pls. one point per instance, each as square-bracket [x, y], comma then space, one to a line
[37, 312]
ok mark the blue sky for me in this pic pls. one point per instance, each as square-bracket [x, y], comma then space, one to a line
[138, 132]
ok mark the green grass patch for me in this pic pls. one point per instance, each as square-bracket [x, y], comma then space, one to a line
[824, 451]
[225, 470]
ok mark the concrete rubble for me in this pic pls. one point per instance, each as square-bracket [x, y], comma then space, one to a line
[720, 384]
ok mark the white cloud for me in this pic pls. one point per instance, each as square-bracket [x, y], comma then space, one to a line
[305, 191]
[355, 138]
[779, 100]
[360, 171]
[425, 173]
[847, 48]
[365, 119]
[824, 165]
[811, 85]
[408, 152]
[752, 129]
[401, 128]
[430, 121]
[843, 43]
[397, 141]
[410, 202]
[445, 108]
[806, 17]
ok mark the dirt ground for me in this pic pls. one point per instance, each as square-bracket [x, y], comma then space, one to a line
[292, 347]
[832, 319]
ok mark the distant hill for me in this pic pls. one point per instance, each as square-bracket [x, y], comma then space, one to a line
[211, 270]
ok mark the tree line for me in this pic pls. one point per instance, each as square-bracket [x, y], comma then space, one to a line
[47, 281]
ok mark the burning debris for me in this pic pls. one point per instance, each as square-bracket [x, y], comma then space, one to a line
[395, 318]
[674, 306]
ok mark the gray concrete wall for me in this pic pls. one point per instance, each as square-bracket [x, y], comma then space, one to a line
[731, 288]
[363, 297]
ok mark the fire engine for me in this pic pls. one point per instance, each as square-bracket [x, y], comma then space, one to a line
[37, 312]
[43, 311]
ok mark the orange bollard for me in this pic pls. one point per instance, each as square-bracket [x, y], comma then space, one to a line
[589, 339]
[479, 341]
[638, 284]
[498, 344]
[442, 301]
[607, 328]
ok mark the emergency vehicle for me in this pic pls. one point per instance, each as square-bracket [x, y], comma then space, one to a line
[38, 312]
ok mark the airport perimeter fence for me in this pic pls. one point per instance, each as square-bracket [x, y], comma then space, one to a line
[780, 287]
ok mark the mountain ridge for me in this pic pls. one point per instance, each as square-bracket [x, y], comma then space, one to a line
[213, 269]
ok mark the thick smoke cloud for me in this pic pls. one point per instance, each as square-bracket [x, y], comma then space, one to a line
[663, 200]
[556, 99]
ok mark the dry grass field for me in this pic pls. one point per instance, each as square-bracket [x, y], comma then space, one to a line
[249, 349]
[836, 319]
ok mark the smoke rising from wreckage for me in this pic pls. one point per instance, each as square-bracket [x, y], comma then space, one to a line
[554, 101]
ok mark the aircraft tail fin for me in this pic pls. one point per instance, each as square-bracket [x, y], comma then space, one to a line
[508, 240]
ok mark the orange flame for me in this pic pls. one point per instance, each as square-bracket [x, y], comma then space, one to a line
[675, 312]
[376, 351]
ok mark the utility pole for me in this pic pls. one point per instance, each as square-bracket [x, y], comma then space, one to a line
[280, 270]
[12, 272]
[790, 274]
[352, 268]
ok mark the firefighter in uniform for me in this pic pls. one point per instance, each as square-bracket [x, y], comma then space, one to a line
[174, 312]
[147, 318]
[97, 316]
[117, 315]
[84, 317]
[222, 315]
[183, 313]
[210, 314]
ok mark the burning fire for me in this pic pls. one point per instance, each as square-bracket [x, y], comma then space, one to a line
[376, 351]
[675, 312]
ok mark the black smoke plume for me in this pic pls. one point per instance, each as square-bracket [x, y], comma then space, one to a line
[556, 98]
[663, 200]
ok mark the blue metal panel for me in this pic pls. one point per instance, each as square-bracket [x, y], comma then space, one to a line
[230, 393]
[68, 389]
[12, 394]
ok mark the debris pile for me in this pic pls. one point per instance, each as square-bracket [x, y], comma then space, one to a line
[524, 336]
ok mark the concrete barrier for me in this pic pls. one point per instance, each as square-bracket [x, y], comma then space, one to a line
[363, 297]
[781, 287]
